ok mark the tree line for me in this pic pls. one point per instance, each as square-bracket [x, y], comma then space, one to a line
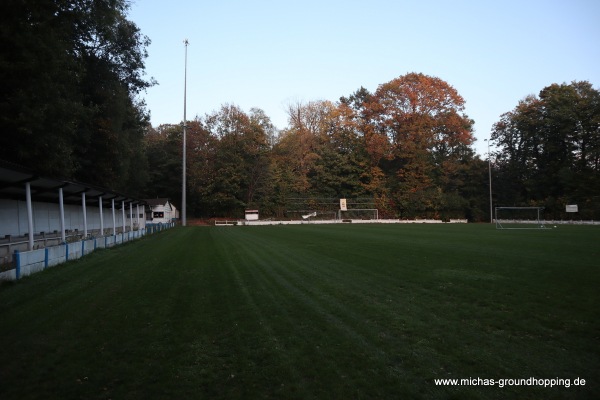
[71, 72]
[71, 75]
[405, 147]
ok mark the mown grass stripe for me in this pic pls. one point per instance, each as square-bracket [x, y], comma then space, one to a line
[311, 310]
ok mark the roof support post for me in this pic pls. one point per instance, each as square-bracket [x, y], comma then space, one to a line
[123, 212]
[61, 206]
[114, 219]
[29, 215]
[101, 216]
[130, 216]
[85, 230]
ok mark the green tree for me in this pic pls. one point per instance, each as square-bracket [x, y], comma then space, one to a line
[548, 149]
[319, 155]
[70, 73]
[163, 151]
[201, 168]
[341, 160]
[241, 161]
[40, 102]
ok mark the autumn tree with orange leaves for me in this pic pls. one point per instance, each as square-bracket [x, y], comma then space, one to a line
[422, 119]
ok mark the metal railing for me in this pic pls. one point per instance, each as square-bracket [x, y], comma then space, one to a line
[11, 243]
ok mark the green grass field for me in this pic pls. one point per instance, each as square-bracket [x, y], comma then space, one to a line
[311, 311]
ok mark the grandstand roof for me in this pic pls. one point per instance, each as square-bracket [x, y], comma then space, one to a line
[45, 189]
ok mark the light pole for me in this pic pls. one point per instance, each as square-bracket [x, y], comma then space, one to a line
[183, 199]
[490, 179]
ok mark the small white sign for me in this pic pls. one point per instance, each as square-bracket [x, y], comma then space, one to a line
[251, 215]
[572, 208]
[343, 205]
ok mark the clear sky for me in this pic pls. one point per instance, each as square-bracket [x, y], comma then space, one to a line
[268, 54]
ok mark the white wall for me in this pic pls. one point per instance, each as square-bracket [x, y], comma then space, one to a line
[46, 217]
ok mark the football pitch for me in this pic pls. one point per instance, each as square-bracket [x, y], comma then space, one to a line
[312, 312]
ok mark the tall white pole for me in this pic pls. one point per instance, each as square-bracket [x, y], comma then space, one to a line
[183, 199]
[490, 180]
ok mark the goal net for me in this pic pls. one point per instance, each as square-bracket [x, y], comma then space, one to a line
[311, 215]
[358, 214]
[519, 218]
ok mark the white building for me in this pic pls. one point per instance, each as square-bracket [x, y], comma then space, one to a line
[160, 211]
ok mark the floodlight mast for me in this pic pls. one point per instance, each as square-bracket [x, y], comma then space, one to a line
[183, 191]
[490, 179]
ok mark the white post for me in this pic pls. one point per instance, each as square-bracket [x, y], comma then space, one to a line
[29, 215]
[114, 219]
[123, 214]
[61, 206]
[85, 231]
[130, 217]
[138, 215]
[101, 216]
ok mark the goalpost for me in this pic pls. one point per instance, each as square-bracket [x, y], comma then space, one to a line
[311, 215]
[358, 214]
[519, 218]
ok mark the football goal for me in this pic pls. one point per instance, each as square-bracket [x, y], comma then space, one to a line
[311, 215]
[519, 218]
[358, 213]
